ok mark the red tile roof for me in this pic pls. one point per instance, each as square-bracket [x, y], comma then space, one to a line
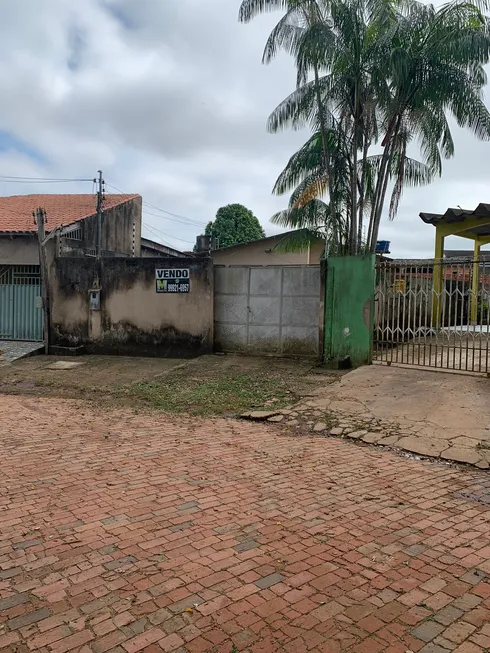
[16, 210]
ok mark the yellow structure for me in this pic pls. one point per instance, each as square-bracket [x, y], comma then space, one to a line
[474, 225]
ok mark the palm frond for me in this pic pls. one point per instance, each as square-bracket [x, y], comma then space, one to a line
[249, 9]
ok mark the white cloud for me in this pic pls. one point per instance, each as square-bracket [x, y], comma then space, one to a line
[170, 99]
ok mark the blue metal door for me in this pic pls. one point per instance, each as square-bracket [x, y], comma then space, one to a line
[21, 315]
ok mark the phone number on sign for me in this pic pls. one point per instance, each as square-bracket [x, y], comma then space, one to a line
[178, 287]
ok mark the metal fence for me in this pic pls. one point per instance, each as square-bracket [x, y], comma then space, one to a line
[21, 315]
[433, 314]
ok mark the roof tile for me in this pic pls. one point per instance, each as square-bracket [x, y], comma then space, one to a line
[16, 211]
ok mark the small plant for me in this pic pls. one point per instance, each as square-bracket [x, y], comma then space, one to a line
[234, 649]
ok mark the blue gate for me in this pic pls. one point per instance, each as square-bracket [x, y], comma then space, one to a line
[21, 315]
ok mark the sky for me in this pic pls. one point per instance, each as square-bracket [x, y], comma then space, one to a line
[170, 100]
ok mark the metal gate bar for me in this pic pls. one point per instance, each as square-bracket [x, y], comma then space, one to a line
[418, 324]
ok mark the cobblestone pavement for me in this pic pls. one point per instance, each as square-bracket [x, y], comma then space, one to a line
[123, 533]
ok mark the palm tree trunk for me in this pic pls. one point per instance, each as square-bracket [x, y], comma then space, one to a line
[382, 184]
[353, 211]
[362, 189]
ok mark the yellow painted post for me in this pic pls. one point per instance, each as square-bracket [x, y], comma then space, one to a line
[437, 276]
[475, 283]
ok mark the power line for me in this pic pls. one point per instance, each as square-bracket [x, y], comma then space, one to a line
[157, 208]
[155, 234]
[175, 215]
[154, 229]
[39, 180]
[187, 224]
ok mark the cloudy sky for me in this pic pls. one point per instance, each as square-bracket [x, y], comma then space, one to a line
[170, 100]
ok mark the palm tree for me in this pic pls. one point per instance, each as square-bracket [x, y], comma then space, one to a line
[305, 177]
[374, 74]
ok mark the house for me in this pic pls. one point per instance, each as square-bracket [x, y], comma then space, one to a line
[151, 249]
[72, 220]
[266, 251]
[75, 218]
[457, 255]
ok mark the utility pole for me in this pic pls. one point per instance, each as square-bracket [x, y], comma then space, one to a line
[100, 209]
[40, 220]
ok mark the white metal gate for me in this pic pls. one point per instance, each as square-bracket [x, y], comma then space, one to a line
[267, 310]
[21, 315]
[433, 314]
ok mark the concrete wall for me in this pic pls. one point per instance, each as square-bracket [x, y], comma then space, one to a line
[117, 230]
[133, 318]
[262, 252]
[19, 250]
[272, 310]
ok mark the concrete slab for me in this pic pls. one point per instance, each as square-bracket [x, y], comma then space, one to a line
[64, 365]
[12, 350]
[438, 414]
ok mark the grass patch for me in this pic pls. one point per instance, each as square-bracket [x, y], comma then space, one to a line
[230, 391]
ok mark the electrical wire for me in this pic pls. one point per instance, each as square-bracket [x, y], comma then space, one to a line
[188, 224]
[155, 230]
[39, 180]
[176, 216]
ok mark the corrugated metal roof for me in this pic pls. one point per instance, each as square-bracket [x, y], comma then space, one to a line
[456, 215]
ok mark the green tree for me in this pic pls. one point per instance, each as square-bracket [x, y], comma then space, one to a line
[374, 78]
[234, 224]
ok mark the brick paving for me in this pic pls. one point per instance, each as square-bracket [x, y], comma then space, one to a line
[123, 533]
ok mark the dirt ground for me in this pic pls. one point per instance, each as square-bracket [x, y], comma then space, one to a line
[124, 532]
[90, 372]
[209, 385]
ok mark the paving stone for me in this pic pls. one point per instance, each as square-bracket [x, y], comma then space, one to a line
[462, 455]
[320, 427]
[482, 464]
[433, 648]
[29, 618]
[336, 431]
[355, 435]
[12, 601]
[473, 577]
[247, 545]
[273, 559]
[371, 438]
[268, 581]
[448, 615]
[260, 415]
[427, 631]
[389, 440]
[415, 550]
[422, 446]
[120, 562]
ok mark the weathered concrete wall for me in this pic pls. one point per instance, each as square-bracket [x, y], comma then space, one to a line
[19, 250]
[262, 252]
[133, 318]
[117, 230]
[272, 310]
